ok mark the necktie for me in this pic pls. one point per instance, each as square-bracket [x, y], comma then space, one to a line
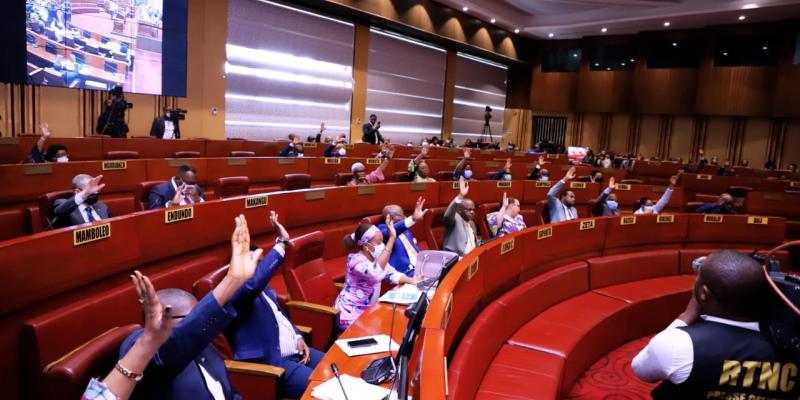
[410, 250]
[471, 239]
[89, 216]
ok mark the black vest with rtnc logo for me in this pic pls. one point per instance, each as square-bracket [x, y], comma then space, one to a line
[732, 363]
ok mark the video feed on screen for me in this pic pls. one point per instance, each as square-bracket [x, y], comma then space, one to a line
[95, 44]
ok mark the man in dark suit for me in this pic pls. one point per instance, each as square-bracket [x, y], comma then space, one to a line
[370, 130]
[166, 126]
[180, 190]
[405, 250]
[187, 366]
[460, 232]
[262, 333]
[84, 206]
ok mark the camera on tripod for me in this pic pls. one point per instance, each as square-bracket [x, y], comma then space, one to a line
[176, 114]
[118, 99]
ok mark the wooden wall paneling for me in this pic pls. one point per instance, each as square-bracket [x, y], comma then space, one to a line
[790, 152]
[518, 86]
[648, 135]
[618, 134]
[604, 135]
[634, 132]
[575, 137]
[717, 133]
[682, 138]
[787, 96]
[358, 108]
[664, 136]
[553, 91]
[699, 135]
[755, 141]
[449, 93]
[733, 150]
[776, 140]
[603, 91]
[590, 131]
[663, 90]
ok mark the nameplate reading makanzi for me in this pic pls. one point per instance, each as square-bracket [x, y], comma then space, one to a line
[256, 201]
[544, 233]
[588, 224]
[627, 221]
[713, 219]
[178, 214]
[114, 165]
[757, 220]
[577, 185]
[91, 234]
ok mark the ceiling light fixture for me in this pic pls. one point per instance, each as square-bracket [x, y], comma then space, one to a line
[749, 6]
[465, 9]
[674, 44]
[667, 24]
[725, 53]
[596, 64]
[604, 29]
[608, 69]
[551, 34]
[742, 17]
[575, 55]
[516, 30]
[623, 64]
[764, 48]
[493, 20]
[632, 60]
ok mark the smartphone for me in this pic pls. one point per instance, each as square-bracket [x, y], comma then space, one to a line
[354, 344]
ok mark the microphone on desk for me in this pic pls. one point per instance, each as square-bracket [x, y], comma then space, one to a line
[335, 370]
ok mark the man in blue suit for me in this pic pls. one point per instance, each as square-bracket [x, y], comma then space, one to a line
[562, 208]
[262, 333]
[180, 190]
[404, 253]
[187, 366]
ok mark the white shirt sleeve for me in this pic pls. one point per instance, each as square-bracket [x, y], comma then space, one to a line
[668, 356]
[409, 222]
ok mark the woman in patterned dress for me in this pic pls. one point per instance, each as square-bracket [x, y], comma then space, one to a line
[507, 220]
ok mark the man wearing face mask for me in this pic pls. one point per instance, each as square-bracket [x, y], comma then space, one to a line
[165, 126]
[460, 232]
[504, 174]
[606, 204]
[463, 168]
[180, 190]
[360, 176]
[405, 250]
[596, 177]
[646, 205]
[84, 206]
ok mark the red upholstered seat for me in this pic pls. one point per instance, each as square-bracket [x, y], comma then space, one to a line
[242, 153]
[202, 286]
[46, 202]
[483, 224]
[142, 192]
[295, 182]
[613, 270]
[520, 373]
[13, 223]
[186, 154]
[231, 186]
[399, 176]
[434, 227]
[122, 155]
[67, 377]
[444, 176]
[341, 178]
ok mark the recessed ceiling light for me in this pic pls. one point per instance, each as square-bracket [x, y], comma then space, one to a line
[493, 20]
[623, 64]
[674, 44]
[575, 55]
[516, 30]
[465, 9]
[596, 64]
[742, 17]
[667, 23]
[632, 60]
[608, 69]
[551, 34]
[604, 30]
[764, 47]
[749, 6]
[725, 53]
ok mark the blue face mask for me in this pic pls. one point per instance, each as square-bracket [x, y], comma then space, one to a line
[612, 205]
[507, 177]
[468, 174]
[544, 178]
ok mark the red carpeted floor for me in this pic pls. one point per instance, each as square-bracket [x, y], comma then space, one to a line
[611, 377]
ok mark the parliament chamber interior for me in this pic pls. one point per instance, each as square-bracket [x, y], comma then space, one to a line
[429, 199]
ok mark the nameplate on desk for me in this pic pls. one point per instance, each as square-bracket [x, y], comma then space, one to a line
[627, 221]
[655, 163]
[794, 184]
[310, 145]
[237, 161]
[545, 184]
[176, 162]
[178, 214]
[622, 186]
[348, 146]
[366, 189]
[332, 160]
[665, 219]
[492, 164]
[577, 185]
[260, 200]
[91, 234]
[37, 169]
[453, 150]
[504, 184]
[507, 246]
[315, 195]
[703, 177]
[773, 196]
[448, 310]
[374, 161]
[586, 225]
[757, 221]
[417, 187]
[552, 156]
[486, 152]
[473, 269]
[544, 233]
[9, 140]
[713, 219]
[115, 165]
[286, 161]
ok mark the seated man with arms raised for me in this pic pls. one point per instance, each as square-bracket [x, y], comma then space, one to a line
[180, 190]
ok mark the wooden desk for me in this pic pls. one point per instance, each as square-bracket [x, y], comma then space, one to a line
[375, 321]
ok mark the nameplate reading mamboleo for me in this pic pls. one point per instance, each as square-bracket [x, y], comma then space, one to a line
[115, 165]
[172, 215]
[91, 234]
[260, 200]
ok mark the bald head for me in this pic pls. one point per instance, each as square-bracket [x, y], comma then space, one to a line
[181, 301]
[395, 211]
[730, 285]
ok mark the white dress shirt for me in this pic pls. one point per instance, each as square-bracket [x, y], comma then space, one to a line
[169, 130]
[79, 200]
[670, 354]
[213, 385]
[186, 200]
[286, 334]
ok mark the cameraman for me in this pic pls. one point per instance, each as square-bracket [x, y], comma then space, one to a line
[112, 120]
[167, 126]
[715, 349]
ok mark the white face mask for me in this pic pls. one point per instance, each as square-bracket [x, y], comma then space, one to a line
[62, 159]
[300, 154]
[544, 178]
[424, 143]
[468, 174]
[342, 152]
[377, 250]
[507, 177]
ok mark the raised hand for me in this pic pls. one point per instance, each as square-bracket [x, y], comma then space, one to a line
[508, 165]
[93, 186]
[390, 228]
[541, 161]
[505, 200]
[419, 212]
[295, 140]
[467, 153]
[156, 319]
[611, 182]
[321, 127]
[179, 195]
[570, 174]
[45, 130]
[673, 180]
[463, 188]
[243, 262]
[424, 151]
[273, 219]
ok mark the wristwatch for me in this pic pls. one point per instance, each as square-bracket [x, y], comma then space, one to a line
[280, 240]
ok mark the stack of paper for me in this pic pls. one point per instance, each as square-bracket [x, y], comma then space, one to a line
[356, 389]
[381, 345]
[405, 295]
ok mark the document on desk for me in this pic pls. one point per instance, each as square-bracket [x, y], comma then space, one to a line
[381, 346]
[404, 295]
[356, 388]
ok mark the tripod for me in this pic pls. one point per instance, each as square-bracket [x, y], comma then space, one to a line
[486, 133]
